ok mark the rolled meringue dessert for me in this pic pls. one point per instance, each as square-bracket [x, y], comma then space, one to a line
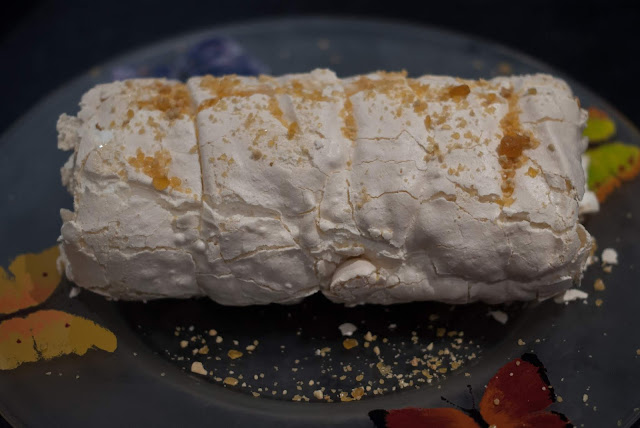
[376, 188]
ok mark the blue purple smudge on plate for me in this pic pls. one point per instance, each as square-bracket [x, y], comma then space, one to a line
[216, 56]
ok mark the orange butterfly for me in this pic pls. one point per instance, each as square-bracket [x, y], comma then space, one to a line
[43, 334]
[516, 397]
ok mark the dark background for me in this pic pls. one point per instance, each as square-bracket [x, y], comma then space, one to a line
[44, 43]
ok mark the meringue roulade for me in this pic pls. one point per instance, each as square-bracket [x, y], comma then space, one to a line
[371, 189]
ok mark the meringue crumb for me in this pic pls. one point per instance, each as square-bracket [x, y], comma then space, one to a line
[198, 368]
[233, 354]
[599, 302]
[350, 343]
[230, 381]
[570, 295]
[496, 401]
[357, 393]
[184, 343]
[521, 342]
[598, 285]
[219, 339]
[212, 332]
[318, 394]
[585, 398]
[559, 399]
[347, 329]
[323, 352]
[609, 256]
[499, 316]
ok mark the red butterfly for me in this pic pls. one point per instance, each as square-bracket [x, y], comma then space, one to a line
[516, 397]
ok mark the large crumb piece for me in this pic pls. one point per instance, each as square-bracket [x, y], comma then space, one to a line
[197, 367]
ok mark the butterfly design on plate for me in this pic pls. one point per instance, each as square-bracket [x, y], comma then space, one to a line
[516, 397]
[43, 333]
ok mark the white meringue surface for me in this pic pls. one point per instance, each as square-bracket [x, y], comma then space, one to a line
[370, 189]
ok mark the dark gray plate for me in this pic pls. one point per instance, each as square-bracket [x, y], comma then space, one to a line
[586, 349]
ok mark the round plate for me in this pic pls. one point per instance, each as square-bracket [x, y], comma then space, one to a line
[589, 351]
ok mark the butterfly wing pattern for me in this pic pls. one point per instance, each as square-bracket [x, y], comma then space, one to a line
[516, 397]
[412, 417]
[41, 334]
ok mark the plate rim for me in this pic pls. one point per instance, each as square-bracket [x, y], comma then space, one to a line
[256, 25]
[319, 19]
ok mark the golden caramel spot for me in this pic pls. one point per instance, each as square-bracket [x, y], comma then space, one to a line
[489, 98]
[459, 91]
[349, 130]
[172, 99]
[249, 120]
[357, 393]
[274, 108]
[293, 130]
[427, 122]
[532, 91]
[419, 89]
[512, 146]
[419, 106]
[220, 86]
[233, 354]
[129, 114]
[598, 285]
[230, 381]
[344, 396]
[532, 172]
[160, 183]
[350, 343]
[208, 103]
[255, 154]
[156, 167]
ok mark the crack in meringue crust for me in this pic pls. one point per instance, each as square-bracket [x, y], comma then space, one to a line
[370, 189]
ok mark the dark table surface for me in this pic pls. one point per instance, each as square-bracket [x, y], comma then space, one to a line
[45, 43]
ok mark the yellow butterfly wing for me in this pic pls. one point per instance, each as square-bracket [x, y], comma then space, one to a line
[48, 334]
